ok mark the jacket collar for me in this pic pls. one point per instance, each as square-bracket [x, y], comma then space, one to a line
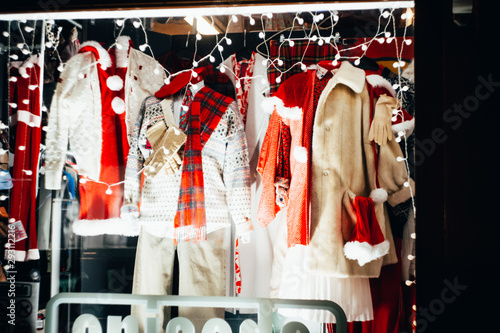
[348, 75]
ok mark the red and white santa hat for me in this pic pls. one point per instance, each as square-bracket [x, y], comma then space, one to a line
[367, 242]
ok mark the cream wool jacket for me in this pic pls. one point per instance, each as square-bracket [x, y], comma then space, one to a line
[75, 114]
[343, 160]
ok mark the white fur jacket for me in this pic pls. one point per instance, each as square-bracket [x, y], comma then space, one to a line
[75, 114]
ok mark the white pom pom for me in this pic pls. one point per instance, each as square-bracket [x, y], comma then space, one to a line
[379, 195]
[118, 105]
[114, 83]
[300, 154]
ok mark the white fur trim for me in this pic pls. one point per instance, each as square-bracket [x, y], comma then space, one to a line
[104, 58]
[378, 81]
[405, 126]
[113, 226]
[114, 83]
[118, 105]
[379, 195]
[292, 113]
[300, 154]
[364, 252]
[122, 52]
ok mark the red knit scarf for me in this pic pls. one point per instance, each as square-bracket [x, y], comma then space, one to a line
[206, 110]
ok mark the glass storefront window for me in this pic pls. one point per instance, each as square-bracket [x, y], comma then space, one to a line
[251, 152]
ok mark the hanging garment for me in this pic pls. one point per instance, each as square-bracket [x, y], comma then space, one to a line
[295, 96]
[256, 254]
[25, 120]
[97, 99]
[225, 171]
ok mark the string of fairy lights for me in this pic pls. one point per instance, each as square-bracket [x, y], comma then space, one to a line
[314, 35]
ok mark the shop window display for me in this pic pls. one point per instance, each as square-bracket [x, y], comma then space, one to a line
[265, 155]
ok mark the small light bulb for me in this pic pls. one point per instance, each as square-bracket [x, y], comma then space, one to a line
[28, 172]
[414, 307]
[381, 40]
[137, 24]
[389, 40]
[156, 71]
[300, 20]
[21, 148]
[108, 191]
[13, 79]
[28, 29]
[411, 257]
[357, 62]
[303, 66]
[291, 43]
[32, 86]
[335, 62]
[408, 41]
[262, 35]
[143, 47]
[119, 22]
[314, 38]
[405, 88]
[364, 47]
[60, 68]
[401, 133]
[185, 107]
[20, 45]
[385, 14]
[198, 36]
[228, 41]
[49, 45]
[14, 56]
[403, 16]
[3, 197]
[26, 101]
[264, 62]
[394, 118]
[280, 62]
[408, 283]
[5, 34]
[278, 79]
[194, 74]
[238, 84]
[406, 184]
[335, 17]
[395, 86]
[337, 56]
[13, 105]
[223, 69]
[235, 19]
[387, 34]
[167, 81]
[320, 42]
[269, 15]
[212, 58]
[221, 48]
[400, 159]
[195, 63]
[252, 21]
[398, 139]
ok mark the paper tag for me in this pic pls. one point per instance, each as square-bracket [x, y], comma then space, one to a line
[19, 231]
[321, 72]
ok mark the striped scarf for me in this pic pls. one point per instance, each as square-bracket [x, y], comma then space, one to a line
[206, 110]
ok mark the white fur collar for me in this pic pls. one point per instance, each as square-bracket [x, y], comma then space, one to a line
[349, 75]
[104, 59]
[122, 51]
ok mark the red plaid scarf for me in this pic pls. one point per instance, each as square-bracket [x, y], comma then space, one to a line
[206, 110]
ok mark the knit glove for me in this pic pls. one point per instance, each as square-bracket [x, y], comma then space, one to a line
[380, 129]
[166, 144]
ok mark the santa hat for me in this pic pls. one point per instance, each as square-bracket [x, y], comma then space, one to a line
[367, 242]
